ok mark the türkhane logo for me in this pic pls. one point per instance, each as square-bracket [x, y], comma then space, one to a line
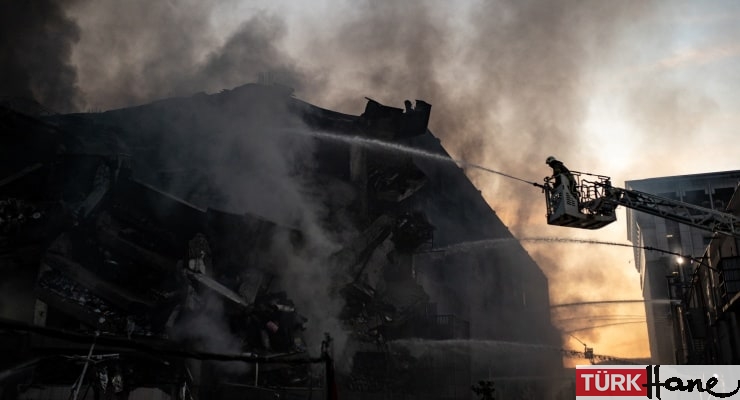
[614, 381]
[660, 382]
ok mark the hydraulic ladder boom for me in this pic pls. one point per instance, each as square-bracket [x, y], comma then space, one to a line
[593, 203]
[689, 214]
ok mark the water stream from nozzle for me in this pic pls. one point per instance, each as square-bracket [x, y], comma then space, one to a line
[399, 148]
[493, 348]
[494, 243]
[467, 344]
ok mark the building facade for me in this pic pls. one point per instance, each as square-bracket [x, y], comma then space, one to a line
[666, 278]
[706, 323]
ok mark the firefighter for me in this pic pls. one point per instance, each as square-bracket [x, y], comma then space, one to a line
[560, 172]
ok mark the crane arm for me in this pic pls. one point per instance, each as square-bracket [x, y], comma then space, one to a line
[689, 214]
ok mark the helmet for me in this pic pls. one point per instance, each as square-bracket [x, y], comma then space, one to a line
[549, 160]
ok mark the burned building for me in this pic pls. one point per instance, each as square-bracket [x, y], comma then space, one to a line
[203, 247]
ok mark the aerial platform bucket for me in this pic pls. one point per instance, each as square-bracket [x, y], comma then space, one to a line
[564, 209]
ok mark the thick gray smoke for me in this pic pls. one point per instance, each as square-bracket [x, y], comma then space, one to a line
[37, 41]
[141, 51]
[506, 81]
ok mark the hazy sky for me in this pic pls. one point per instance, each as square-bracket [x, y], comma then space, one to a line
[629, 89]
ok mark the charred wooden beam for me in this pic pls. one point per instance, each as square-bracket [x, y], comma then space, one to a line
[20, 174]
[218, 288]
[101, 185]
[120, 297]
[70, 308]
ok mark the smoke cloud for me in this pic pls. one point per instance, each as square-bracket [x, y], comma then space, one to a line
[38, 38]
[142, 51]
